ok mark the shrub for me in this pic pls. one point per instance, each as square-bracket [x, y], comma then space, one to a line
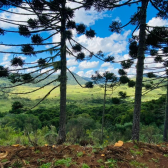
[115, 100]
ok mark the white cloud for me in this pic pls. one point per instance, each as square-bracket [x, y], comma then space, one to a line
[5, 57]
[87, 64]
[109, 68]
[5, 63]
[3, 48]
[12, 16]
[116, 43]
[89, 73]
[122, 57]
[58, 72]
[45, 70]
[56, 38]
[88, 17]
[71, 62]
[22, 57]
[105, 64]
[86, 74]
[32, 69]
[157, 21]
[80, 73]
[72, 69]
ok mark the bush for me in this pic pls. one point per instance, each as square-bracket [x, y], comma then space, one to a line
[151, 134]
[17, 108]
[51, 136]
[122, 94]
[77, 127]
[115, 100]
[21, 121]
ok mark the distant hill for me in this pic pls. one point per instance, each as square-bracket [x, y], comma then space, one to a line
[70, 81]
[87, 79]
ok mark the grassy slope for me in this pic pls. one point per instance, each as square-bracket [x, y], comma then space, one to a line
[75, 93]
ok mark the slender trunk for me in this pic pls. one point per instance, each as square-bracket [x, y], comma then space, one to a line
[166, 117]
[62, 116]
[104, 104]
[139, 76]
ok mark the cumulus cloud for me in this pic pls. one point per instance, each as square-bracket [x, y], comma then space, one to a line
[71, 62]
[122, 57]
[12, 16]
[110, 68]
[5, 63]
[81, 16]
[87, 17]
[58, 72]
[115, 43]
[80, 73]
[157, 21]
[72, 69]
[105, 64]
[5, 57]
[87, 74]
[33, 69]
[88, 64]
[3, 48]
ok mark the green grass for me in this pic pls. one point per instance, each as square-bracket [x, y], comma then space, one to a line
[46, 165]
[80, 96]
[66, 162]
[138, 164]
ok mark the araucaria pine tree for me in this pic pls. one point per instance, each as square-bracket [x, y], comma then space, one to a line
[157, 47]
[55, 17]
[139, 20]
[106, 81]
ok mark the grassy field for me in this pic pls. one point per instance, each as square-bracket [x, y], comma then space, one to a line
[76, 94]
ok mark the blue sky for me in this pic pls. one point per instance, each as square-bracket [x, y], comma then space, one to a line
[110, 43]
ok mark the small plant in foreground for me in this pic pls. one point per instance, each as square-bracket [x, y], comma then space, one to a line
[100, 161]
[4, 160]
[37, 151]
[155, 160]
[65, 162]
[46, 165]
[84, 165]
[80, 154]
[17, 164]
[135, 146]
[111, 163]
[136, 152]
[27, 162]
[165, 155]
[137, 164]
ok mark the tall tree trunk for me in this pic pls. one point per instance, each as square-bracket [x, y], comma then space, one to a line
[63, 80]
[104, 103]
[139, 76]
[166, 117]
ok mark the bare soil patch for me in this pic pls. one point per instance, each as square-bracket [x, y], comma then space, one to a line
[130, 155]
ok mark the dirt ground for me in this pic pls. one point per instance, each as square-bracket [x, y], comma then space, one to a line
[129, 155]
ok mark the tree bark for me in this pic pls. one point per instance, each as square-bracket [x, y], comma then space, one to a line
[104, 102]
[139, 75]
[63, 80]
[166, 117]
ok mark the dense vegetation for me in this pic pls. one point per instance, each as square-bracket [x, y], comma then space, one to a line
[83, 119]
